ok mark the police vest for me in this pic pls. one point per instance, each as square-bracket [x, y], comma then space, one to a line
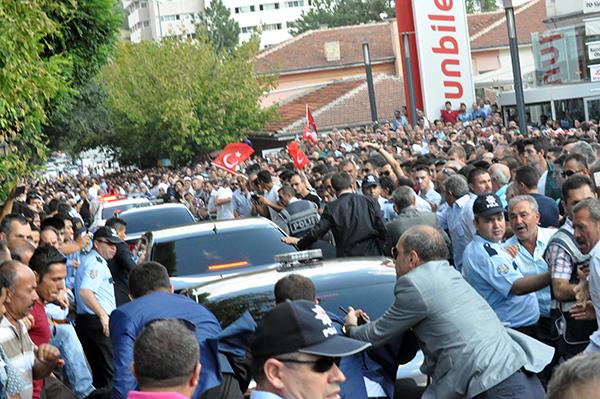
[300, 216]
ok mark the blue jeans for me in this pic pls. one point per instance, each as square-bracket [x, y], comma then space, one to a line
[76, 367]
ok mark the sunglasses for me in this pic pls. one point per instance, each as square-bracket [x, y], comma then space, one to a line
[321, 365]
[569, 173]
[385, 173]
[107, 242]
[394, 252]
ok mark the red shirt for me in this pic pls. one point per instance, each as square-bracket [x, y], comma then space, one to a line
[450, 116]
[39, 334]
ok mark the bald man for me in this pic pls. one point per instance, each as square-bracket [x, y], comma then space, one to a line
[500, 175]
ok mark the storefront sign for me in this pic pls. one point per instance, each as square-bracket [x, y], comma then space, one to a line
[590, 6]
[594, 73]
[555, 55]
[593, 50]
[592, 26]
[444, 54]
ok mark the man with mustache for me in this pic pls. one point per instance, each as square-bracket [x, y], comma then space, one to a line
[31, 363]
[493, 272]
[586, 223]
[528, 245]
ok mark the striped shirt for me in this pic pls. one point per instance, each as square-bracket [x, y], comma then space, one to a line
[19, 349]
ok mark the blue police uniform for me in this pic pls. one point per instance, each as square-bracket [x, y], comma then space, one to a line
[94, 275]
[491, 271]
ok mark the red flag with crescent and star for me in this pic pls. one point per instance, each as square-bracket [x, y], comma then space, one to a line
[232, 155]
[300, 159]
[310, 130]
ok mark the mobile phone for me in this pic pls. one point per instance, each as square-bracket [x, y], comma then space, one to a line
[20, 190]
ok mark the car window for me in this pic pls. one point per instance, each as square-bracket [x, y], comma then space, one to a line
[372, 298]
[109, 211]
[158, 219]
[221, 251]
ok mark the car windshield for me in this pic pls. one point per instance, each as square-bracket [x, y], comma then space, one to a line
[109, 210]
[221, 251]
[374, 299]
[140, 222]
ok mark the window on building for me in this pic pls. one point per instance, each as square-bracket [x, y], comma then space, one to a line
[144, 4]
[294, 4]
[269, 6]
[248, 29]
[169, 18]
[243, 9]
[146, 24]
[272, 27]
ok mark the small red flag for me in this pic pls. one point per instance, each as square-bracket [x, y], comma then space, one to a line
[300, 160]
[232, 155]
[310, 130]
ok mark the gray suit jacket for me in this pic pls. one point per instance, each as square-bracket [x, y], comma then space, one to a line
[466, 348]
[407, 218]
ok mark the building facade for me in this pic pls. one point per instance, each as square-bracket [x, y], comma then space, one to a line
[155, 19]
[269, 17]
[566, 54]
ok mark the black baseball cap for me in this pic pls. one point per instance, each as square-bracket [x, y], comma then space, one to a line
[301, 326]
[487, 204]
[109, 233]
[370, 180]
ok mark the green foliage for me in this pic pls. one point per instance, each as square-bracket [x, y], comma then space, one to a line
[87, 36]
[333, 13]
[481, 6]
[86, 123]
[30, 77]
[178, 98]
[222, 30]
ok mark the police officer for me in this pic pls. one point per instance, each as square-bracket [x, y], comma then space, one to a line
[492, 272]
[95, 297]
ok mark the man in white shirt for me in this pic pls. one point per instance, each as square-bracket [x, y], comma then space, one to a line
[224, 202]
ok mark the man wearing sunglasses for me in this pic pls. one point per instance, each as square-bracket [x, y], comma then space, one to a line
[296, 351]
[95, 299]
[468, 352]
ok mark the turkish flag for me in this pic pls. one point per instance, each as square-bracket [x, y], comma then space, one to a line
[310, 130]
[232, 155]
[300, 160]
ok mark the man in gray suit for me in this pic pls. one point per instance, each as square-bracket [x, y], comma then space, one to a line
[408, 216]
[468, 353]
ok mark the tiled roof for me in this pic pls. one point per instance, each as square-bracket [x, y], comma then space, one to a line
[340, 103]
[307, 51]
[296, 109]
[488, 30]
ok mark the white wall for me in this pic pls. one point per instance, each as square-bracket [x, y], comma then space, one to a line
[286, 13]
[557, 8]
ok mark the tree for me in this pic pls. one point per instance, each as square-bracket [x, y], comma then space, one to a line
[29, 79]
[332, 13]
[222, 30]
[178, 98]
[87, 36]
[481, 6]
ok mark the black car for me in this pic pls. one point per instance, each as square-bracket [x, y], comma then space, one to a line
[366, 283]
[212, 250]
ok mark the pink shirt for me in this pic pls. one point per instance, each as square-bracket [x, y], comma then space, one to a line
[155, 395]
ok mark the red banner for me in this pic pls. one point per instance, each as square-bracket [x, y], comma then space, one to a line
[310, 130]
[300, 159]
[232, 155]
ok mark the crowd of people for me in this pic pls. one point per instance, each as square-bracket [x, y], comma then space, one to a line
[494, 234]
